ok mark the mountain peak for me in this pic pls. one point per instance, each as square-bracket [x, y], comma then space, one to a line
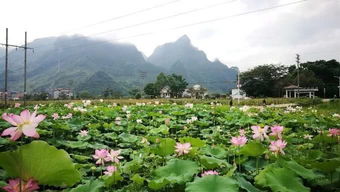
[184, 39]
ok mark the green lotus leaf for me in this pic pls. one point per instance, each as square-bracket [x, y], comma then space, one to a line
[137, 179]
[246, 185]
[165, 147]
[212, 163]
[41, 161]
[280, 180]
[299, 169]
[91, 186]
[113, 179]
[253, 149]
[177, 171]
[158, 184]
[212, 183]
[215, 151]
[195, 142]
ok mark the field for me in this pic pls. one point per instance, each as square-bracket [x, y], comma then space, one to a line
[171, 146]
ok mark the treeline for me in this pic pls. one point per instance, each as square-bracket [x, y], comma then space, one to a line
[270, 80]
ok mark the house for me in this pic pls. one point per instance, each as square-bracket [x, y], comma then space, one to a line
[238, 94]
[165, 92]
[62, 93]
[296, 91]
[196, 91]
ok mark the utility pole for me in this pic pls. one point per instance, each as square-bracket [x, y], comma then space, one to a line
[6, 64]
[298, 73]
[6, 67]
[238, 87]
[338, 77]
[25, 68]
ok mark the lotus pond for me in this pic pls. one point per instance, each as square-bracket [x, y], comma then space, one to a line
[97, 146]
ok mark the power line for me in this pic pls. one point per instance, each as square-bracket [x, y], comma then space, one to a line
[123, 16]
[199, 23]
[165, 18]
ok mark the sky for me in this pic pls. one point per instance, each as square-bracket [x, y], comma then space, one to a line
[241, 33]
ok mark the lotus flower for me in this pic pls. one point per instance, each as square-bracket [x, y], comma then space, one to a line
[278, 146]
[100, 155]
[24, 124]
[83, 133]
[139, 121]
[113, 156]
[182, 149]
[239, 141]
[110, 170]
[334, 132]
[55, 116]
[167, 121]
[68, 116]
[14, 186]
[242, 132]
[260, 133]
[276, 131]
[307, 136]
[210, 172]
[16, 105]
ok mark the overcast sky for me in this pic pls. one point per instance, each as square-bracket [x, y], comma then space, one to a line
[310, 28]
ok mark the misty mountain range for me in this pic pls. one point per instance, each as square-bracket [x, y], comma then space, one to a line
[85, 64]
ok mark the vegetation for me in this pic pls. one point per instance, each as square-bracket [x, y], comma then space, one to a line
[269, 80]
[99, 146]
[175, 83]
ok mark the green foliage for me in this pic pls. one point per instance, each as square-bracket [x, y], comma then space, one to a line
[177, 171]
[253, 149]
[280, 180]
[43, 162]
[165, 147]
[91, 186]
[212, 183]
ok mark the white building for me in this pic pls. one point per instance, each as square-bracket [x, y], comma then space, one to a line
[62, 93]
[238, 94]
[165, 92]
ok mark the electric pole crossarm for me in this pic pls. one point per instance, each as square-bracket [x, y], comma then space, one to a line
[16, 46]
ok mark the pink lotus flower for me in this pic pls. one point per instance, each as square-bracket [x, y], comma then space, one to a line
[24, 124]
[83, 133]
[182, 149]
[113, 156]
[100, 155]
[278, 146]
[260, 133]
[16, 105]
[242, 132]
[14, 186]
[334, 132]
[210, 172]
[110, 170]
[55, 116]
[239, 141]
[276, 131]
[68, 116]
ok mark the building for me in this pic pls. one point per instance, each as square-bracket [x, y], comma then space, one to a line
[62, 93]
[293, 91]
[12, 95]
[165, 92]
[238, 94]
[196, 91]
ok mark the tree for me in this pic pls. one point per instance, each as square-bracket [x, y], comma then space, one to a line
[263, 80]
[134, 92]
[150, 89]
[177, 85]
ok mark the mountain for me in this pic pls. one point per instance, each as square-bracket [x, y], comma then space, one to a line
[69, 62]
[85, 64]
[181, 57]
